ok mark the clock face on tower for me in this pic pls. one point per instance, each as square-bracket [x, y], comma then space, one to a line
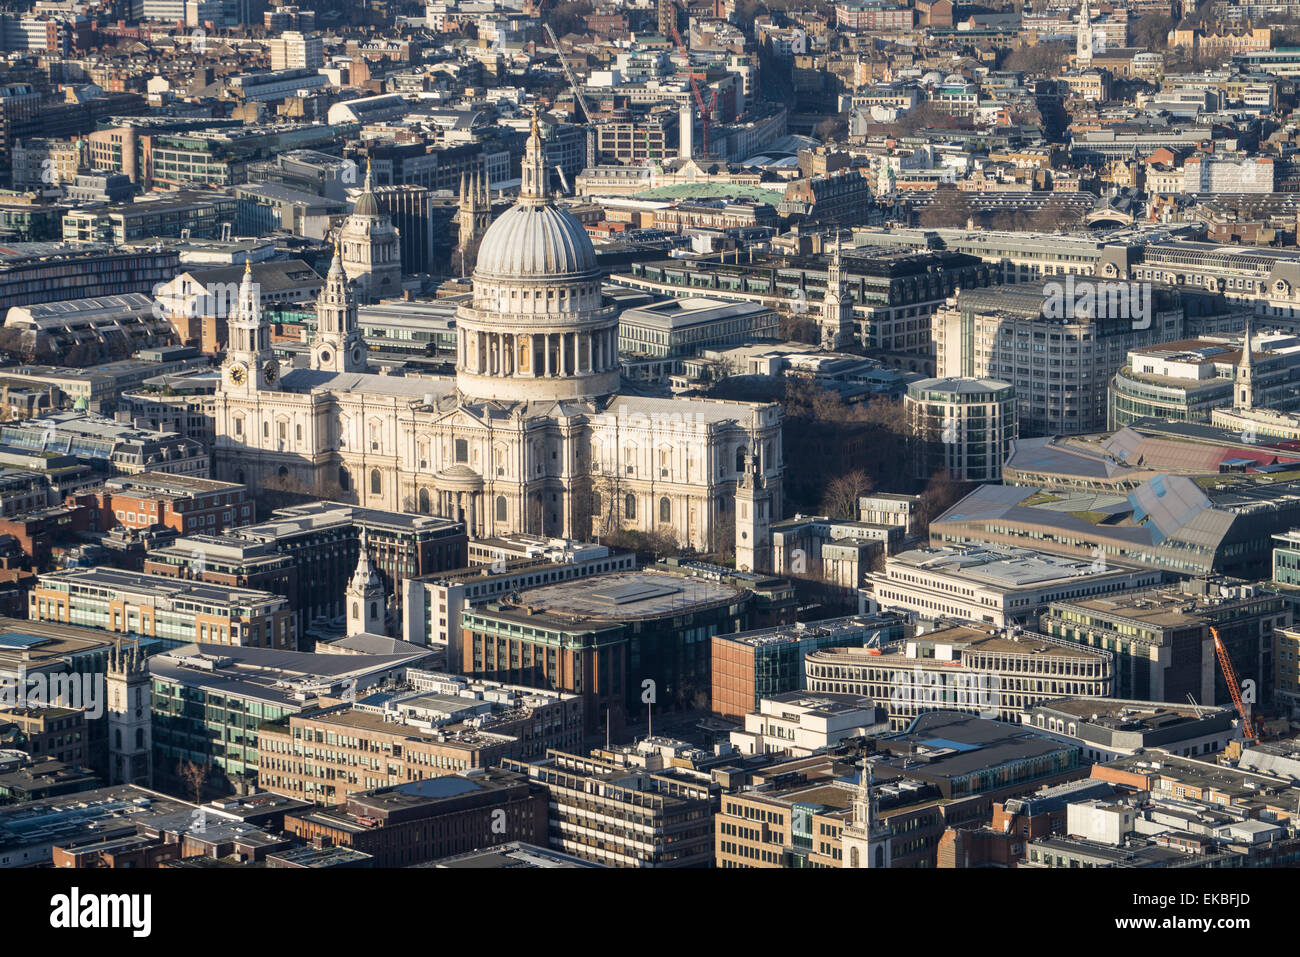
[238, 375]
[270, 371]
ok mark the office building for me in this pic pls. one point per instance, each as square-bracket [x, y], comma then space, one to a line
[1109, 729]
[106, 445]
[211, 701]
[890, 801]
[983, 671]
[610, 811]
[839, 553]
[442, 725]
[186, 504]
[801, 724]
[176, 611]
[432, 604]
[626, 642]
[653, 340]
[753, 665]
[997, 586]
[1059, 361]
[1160, 638]
[296, 51]
[962, 427]
[422, 821]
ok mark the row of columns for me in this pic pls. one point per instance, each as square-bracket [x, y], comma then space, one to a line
[562, 353]
[460, 505]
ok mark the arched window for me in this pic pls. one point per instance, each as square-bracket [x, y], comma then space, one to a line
[629, 506]
[595, 503]
[283, 473]
[880, 855]
[665, 510]
[740, 459]
[356, 610]
[239, 476]
[376, 482]
[374, 610]
[344, 479]
[501, 508]
[139, 737]
[853, 857]
[423, 501]
[119, 739]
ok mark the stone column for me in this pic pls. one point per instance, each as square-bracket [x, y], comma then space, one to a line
[546, 355]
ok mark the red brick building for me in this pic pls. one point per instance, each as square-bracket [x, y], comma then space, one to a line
[186, 503]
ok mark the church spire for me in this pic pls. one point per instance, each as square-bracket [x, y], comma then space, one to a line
[1246, 374]
[337, 345]
[365, 596]
[1084, 39]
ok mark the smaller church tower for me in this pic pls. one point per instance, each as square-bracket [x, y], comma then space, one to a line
[372, 252]
[837, 308]
[867, 841]
[365, 597]
[130, 741]
[473, 216]
[1085, 40]
[753, 519]
[250, 365]
[337, 345]
[1246, 375]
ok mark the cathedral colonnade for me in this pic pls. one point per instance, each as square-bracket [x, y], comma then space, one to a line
[538, 354]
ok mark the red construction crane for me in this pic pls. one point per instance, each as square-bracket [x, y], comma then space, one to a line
[706, 112]
[1234, 687]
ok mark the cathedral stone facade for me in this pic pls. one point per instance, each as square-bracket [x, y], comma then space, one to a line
[532, 436]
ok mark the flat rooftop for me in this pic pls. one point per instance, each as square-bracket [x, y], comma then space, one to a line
[513, 855]
[1157, 607]
[33, 643]
[962, 637]
[1120, 714]
[829, 628]
[1002, 567]
[290, 679]
[627, 595]
[163, 483]
[103, 811]
[159, 586]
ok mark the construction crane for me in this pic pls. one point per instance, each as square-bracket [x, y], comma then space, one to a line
[578, 96]
[706, 112]
[1234, 687]
[580, 100]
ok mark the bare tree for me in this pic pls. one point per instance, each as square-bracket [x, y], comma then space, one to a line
[951, 207]
[843, 492]
[941, 494]
[194, 776]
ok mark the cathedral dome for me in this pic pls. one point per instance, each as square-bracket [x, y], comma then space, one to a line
[533, 241]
